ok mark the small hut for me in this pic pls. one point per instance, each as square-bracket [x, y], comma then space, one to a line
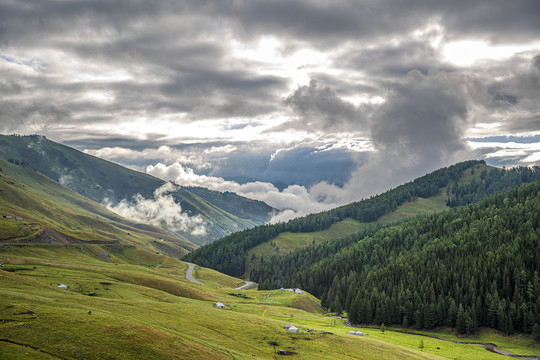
[293, 329]
[297, 291]
[62, 286]
[359, 333]
[352, 332]
[219, 305]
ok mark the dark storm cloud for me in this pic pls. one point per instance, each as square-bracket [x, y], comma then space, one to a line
[418, 129]
[307, 166]
[423, 112]
[70, 67]
[395, 60]
[320, 108]
[519, 94]
[322, 22]
[175, 47]
[498, 21]
[526, 124]
[303, 165]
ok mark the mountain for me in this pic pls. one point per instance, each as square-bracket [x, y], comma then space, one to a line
[473, 266]
[457, 265]
[53, 214]
[240, 253]
[121, 297]
[106, 182]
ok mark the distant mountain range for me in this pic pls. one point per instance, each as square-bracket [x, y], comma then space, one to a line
[106, 182]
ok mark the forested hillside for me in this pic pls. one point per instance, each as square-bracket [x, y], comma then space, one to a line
[229, 254]
[474, 266]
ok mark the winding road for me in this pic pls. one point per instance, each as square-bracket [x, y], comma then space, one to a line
[246, 286]
[189, 274]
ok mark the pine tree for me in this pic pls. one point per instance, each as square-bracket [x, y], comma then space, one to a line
[461, 325]
[536, 332]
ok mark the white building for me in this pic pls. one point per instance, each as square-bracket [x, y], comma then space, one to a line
[293, 329]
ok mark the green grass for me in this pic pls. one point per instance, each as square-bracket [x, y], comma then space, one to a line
[145, 308]
[520, 344]
[53, 213]
[288, 242]
[419, 206]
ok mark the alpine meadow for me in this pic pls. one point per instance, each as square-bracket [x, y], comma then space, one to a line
[269, 179]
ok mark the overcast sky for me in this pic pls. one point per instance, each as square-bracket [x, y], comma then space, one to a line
[303, 104]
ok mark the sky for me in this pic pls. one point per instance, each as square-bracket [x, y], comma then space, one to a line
[305, 105]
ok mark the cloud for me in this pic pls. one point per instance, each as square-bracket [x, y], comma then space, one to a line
[418, 129]
[162, 211]
[295, 200]
[503, 151]
[320, 109]
[132, 157]
[190, 82]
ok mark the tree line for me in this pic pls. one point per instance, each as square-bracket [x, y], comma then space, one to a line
[228, 254]
[473, 266]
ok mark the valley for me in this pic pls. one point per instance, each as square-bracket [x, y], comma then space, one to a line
[128, 292]
[143, 306]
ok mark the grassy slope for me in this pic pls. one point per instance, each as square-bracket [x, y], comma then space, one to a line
[288, 241]
[53, 213]
[97, 179]
[144, 308]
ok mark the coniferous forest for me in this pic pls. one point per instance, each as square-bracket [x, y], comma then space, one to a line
[476, 265]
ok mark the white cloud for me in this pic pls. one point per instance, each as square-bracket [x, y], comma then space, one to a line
[467, 52]
[533, 158]
[162, 211]
[526, 153]
[162, 153]
[293, 201]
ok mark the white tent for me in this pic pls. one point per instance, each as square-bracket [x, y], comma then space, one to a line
[359, 333]
[298, 291]
[62, 286]
[293, 329]
[352, 332]
[219, 305]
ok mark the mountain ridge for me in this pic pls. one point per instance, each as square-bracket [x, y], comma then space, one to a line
[230, 254]
[102, 181]
[53, 214]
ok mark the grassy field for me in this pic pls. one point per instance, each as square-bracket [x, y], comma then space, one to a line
[143, 307]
